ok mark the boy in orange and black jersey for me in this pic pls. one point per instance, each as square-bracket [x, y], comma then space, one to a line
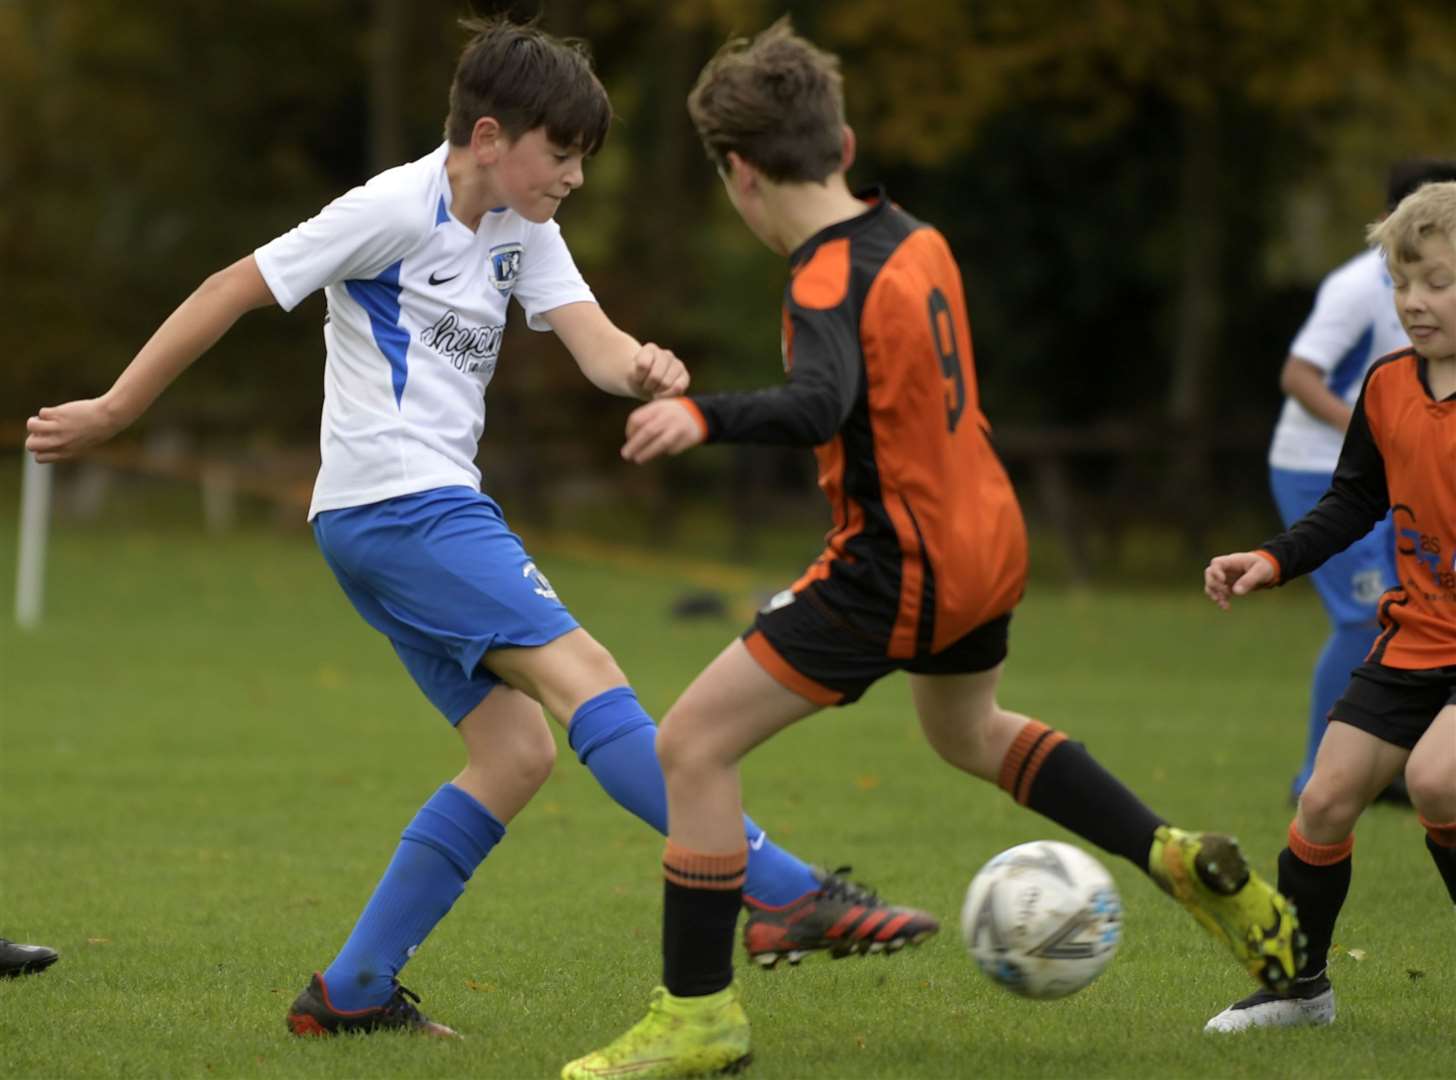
[926, 560]
[1398, 714]
[878, 350]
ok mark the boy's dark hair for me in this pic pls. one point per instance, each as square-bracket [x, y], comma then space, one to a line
[777, 101]
[527, 79]
[1406, 176]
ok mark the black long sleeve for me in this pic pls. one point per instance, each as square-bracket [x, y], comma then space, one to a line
[824, 380]
[1357, 500]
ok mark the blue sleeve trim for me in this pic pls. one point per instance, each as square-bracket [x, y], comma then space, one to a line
[1351, 367]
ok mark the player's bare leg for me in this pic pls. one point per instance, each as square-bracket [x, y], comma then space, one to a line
[1431, 775]
[1351, 768]
[510, 752]
[732, 707]
[1431, 770]
[963, 722]
[695, 1025]
[579, 682]
[562, 674]
[1205, 872]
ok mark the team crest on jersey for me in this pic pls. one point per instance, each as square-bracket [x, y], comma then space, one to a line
[539, 585]
[505, 264]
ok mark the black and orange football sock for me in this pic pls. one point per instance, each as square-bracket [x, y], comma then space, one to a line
[1316, 877]
[1441, 843]
[1047, 772]
[702, 895]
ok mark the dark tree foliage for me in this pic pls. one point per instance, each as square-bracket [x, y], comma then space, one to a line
[1129, 187]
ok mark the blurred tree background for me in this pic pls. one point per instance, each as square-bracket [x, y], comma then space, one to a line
[1143, 195]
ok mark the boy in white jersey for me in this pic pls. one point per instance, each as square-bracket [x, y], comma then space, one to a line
[1353, 324]
[418, 266]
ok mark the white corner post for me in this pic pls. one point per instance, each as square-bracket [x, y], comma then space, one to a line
[35, 512]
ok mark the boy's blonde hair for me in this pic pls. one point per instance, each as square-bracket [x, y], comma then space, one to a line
[1428, 211]
[777, 101]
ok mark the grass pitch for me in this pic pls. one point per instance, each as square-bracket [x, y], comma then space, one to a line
[206, 759]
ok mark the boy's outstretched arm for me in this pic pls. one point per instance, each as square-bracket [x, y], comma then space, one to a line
[662, 427]
[58, 432]
[1227, 576]
[613, 359]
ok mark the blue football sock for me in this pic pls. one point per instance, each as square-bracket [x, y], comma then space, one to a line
[775, 876]
[616, 740]
[1343, 653]
[437, 853]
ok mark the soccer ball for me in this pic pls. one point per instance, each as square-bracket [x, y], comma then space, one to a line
[1042, 919]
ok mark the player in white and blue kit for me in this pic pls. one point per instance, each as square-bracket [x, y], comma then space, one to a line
[418, 267]
[1352, 325]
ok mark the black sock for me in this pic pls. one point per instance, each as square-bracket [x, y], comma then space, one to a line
[1319, 893]
[1065, 783]
[1445, 862]
[702, 895]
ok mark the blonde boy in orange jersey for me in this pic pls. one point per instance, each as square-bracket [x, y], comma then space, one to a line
[1398, 715]
[926, 561]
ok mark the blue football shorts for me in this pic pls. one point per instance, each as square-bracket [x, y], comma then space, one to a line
[441, 575]
[1350, 583]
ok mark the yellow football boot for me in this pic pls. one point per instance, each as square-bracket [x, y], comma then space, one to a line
[1208, 874]
[679, 1037]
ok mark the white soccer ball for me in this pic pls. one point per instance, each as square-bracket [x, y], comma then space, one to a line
[1042, 919]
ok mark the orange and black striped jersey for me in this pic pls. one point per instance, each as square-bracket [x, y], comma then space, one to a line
[928, 540]
[1399, 454]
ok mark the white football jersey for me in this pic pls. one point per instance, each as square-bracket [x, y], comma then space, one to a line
[1353, 324]
[416, 310]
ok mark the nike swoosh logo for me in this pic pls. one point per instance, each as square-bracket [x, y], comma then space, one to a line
[441, 280]
[757, 842]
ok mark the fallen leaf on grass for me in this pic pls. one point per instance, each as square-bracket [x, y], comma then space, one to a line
[1355, 954]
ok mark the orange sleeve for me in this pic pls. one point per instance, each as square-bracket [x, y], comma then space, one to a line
[1272, 561]
[692, 407]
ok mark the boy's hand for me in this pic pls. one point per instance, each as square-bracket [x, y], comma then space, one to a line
[657, 373]
[1227, 576]
[661, 427]
[58, 432]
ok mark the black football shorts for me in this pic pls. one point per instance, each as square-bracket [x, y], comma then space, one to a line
[1393, 704]
[815, 649]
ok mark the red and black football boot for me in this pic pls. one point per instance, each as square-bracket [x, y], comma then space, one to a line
[313, 1014]
[841, 917]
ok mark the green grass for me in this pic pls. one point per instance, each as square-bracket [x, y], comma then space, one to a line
[206, 759]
